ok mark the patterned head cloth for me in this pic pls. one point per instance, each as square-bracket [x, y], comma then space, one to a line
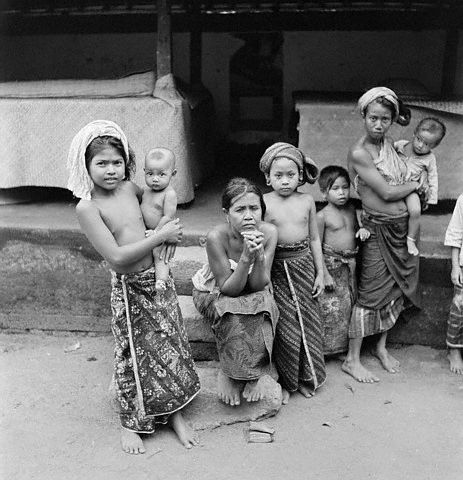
[378, 92]
[79, 181]
[285, 150]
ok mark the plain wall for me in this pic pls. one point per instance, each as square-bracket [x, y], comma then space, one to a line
[338, 60]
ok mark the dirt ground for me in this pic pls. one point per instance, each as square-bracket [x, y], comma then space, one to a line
[56, 423]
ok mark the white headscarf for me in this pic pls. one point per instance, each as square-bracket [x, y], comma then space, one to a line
[79, 181]
[378, 92]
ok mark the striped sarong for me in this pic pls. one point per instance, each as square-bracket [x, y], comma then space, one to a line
[154, 372]
[455, 320]
[388, 275]
[244, 329]
[336, 305]
[298, 347]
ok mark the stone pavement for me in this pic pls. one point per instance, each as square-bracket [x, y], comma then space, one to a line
[56, 422]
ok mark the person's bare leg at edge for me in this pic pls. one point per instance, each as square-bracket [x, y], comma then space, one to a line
[131, 442]
[187, 436]
[353, 366]
[228, 390]
[455, 360]
[389, 363]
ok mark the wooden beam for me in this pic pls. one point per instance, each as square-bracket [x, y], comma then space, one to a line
[164, 39]
[196, 49]
[449, 69]
[16, 24]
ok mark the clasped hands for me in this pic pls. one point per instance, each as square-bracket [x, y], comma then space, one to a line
[253, 247]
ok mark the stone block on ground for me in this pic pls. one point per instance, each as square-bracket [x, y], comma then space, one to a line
[207, 412]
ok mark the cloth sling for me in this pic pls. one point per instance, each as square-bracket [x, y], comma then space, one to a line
[336, 305]
[298, 348]
[389, 275]
[155, 374]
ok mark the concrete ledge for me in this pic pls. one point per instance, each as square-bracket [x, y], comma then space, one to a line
[52, 279]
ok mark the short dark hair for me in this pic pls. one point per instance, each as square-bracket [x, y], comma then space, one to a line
[432, 125]
[238, 186]
[100, 143]
[329, 175]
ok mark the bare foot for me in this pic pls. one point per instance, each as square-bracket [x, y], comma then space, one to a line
[356, 370]
[160, 286]
[255, 390]
[131, 442]
[229, 390]
[411, 247]
[305, 390]
[389, 363]
[285, 396]
[185, 433]
[456, 362]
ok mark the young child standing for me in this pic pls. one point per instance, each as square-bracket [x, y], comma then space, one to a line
[297, 271]
[454, 239]
[154, 373]
[159, 203]
[338, 227]
[422, 168]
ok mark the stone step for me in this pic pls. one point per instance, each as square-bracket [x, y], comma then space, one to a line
[54, 280]
[199, 331]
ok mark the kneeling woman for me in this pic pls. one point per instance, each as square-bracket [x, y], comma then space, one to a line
[233, 292]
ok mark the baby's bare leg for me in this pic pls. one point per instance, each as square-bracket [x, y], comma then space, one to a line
[414, 211]
[456, 362]
[162, 270]
[131, 442]
[185, 433]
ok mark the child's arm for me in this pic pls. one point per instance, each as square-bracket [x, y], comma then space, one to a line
[105, 244]
[432, 181]
[362, 232]
[316, 247]
[454, 239]
[328, 279]
[456, 274]
[138, 191]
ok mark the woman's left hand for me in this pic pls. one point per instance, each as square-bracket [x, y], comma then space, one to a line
[318, 286]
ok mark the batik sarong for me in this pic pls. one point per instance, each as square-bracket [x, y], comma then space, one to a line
[298, 347]
[391, 166]
[154, 371]
[388, 275]
[244, 328]
[336, 304]
[455, 320]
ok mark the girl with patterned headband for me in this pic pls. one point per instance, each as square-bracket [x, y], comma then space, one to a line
[297, 271]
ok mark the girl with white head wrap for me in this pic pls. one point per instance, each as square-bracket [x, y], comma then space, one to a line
[147, 390]
[79, 182]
